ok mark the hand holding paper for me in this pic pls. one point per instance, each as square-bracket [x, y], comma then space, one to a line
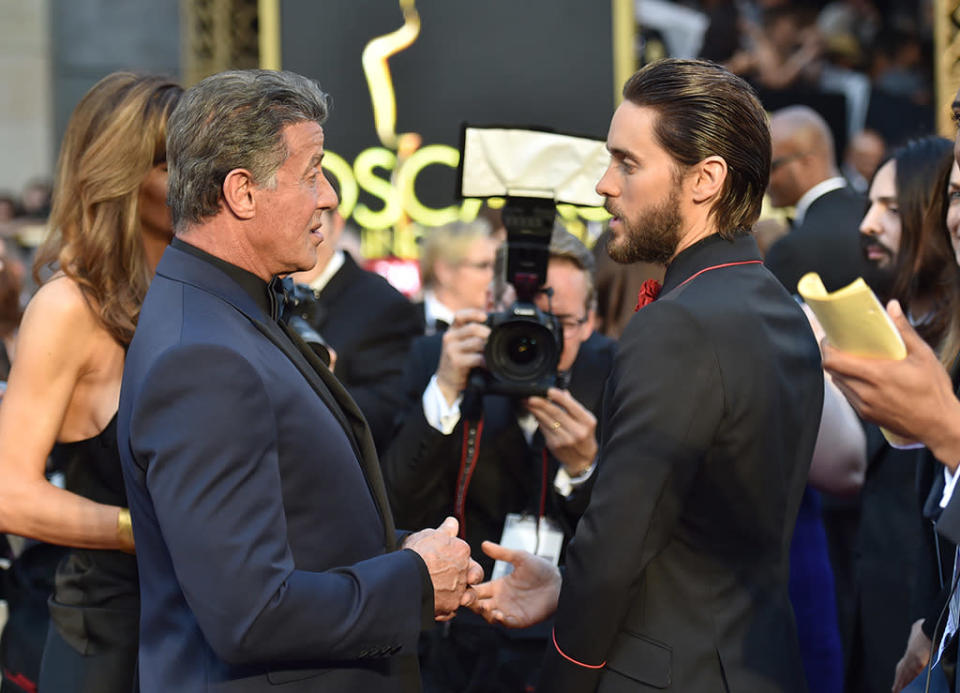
[856, 324]
[912, 397]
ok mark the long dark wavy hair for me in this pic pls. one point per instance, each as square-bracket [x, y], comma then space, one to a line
[925, 264]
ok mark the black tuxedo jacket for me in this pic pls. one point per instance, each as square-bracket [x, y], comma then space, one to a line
[677, 575]
[370, 325]
[422, 465]
[265, 543]
[827, 241]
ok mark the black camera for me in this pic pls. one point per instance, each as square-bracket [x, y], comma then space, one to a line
[302, 310]
[533, 169]
[524, 346]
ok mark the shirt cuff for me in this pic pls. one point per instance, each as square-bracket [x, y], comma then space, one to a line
[950, 480]
[440, 415]
[564, 484]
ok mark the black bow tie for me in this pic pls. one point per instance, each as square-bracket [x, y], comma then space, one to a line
[285, 309]
[277, 293]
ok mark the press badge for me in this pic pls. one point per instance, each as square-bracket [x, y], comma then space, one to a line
[520, 532]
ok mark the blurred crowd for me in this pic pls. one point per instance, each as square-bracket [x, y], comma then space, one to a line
[866, 63]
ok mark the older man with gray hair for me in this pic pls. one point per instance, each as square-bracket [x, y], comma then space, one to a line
[265, 543]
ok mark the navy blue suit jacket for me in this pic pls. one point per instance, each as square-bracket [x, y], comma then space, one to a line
[265, 544]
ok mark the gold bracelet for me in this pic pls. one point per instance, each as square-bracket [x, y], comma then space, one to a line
[125, 530]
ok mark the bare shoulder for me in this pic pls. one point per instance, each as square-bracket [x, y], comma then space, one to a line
[60, 322]
[61, 303]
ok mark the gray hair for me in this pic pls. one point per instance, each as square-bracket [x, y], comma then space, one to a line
[565, 246]
[228, 121]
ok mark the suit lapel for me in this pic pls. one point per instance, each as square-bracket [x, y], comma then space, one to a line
[346, 411]
[186, 268]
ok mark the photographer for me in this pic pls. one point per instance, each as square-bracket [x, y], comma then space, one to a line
[482, 458]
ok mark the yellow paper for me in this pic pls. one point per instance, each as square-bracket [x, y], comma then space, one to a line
[856, 323]
[853, 318]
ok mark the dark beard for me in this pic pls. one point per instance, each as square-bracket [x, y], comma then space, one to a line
[882, 278]
[652, 238]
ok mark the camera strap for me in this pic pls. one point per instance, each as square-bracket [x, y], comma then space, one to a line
[472, 432]
[469, 451]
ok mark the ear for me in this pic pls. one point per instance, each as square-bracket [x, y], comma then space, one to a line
[707, 178]
[238, 189]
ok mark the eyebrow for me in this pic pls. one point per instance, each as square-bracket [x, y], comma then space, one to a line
[314, 162]
[618, 153]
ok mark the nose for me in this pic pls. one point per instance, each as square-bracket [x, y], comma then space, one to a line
[870, 226]
[327, 197]
[605, 185]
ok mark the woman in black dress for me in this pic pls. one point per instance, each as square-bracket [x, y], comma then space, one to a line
[109, 226]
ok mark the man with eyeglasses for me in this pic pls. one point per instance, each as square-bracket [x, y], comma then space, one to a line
[531, 473]
[823, 236]
[456, 268]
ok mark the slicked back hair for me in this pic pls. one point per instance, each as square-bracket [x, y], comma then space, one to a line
[228, 121]
[704, 110]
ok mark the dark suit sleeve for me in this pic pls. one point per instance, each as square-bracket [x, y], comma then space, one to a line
[205, 432]
[781, 260]
[664, 404]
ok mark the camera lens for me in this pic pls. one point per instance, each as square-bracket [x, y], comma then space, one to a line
[522, 349]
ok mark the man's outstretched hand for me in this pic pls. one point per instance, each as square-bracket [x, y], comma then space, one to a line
[526, 596]
[451, 569]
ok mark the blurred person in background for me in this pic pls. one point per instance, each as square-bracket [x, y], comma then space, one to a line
[534, 460]
[931, 484]
[11, 284]
[894, 562]
[456, 269]
[9, 209]
[36, 200]
[915, 398]
[861, 158]
[803, 174]
[903, 232]
[110, 224]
